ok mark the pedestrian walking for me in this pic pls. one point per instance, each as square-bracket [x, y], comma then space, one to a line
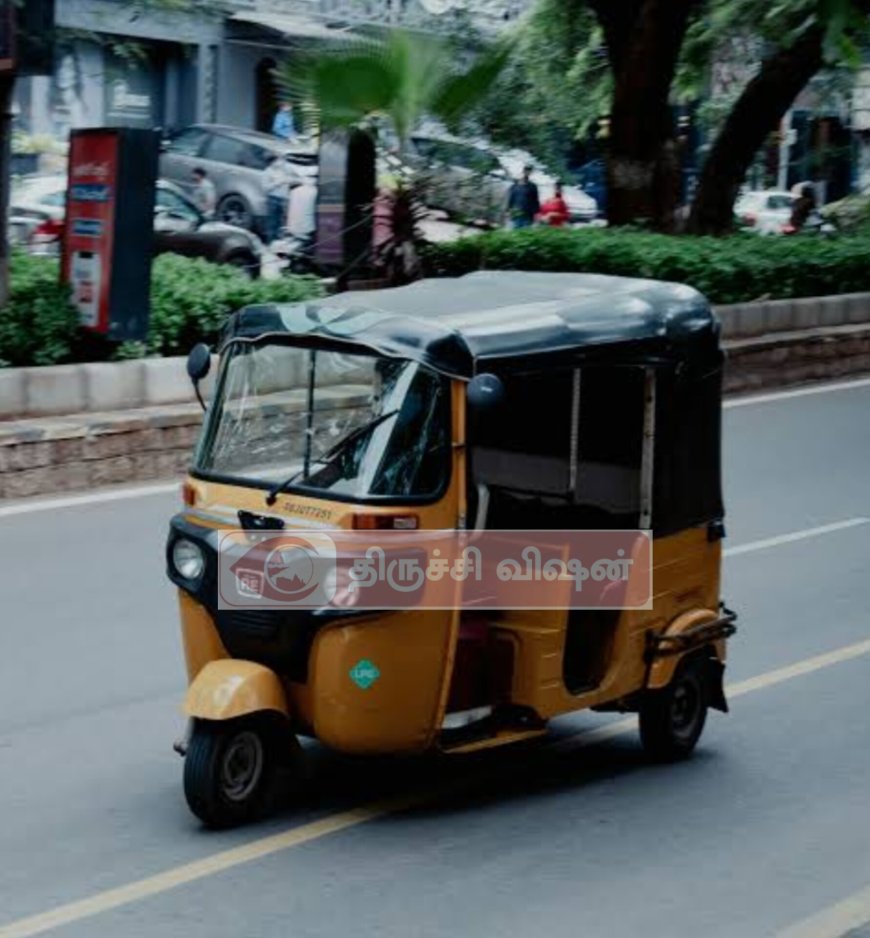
[523, 202]
[804, 206]
[284, 126]
[204, 193]
[277, 180]
[554, 211]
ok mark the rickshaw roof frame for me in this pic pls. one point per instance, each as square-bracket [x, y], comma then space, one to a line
[504, 319]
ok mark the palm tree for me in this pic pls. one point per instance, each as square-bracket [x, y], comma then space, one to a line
[392, 84]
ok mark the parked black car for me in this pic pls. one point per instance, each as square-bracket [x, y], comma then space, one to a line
[38, 206]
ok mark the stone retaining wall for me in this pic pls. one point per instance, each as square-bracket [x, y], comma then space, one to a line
[38, 457]
[155, 382]
[62, 454]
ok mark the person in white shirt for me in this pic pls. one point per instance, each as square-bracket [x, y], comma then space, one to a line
[277, 179]
[302, 213]
[204, 193]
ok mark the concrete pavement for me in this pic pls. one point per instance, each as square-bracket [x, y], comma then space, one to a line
[766, 827]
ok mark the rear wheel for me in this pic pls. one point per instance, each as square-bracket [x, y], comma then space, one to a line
[672, 719]
[231, 770]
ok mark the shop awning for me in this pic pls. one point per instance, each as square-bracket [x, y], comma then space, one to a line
[292, 27]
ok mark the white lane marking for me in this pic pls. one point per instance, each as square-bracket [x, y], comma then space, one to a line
[797, 392]
[92, 498]
[781, 539]
[305, 833]
[834, 922]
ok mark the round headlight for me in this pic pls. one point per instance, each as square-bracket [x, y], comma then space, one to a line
[188, 559]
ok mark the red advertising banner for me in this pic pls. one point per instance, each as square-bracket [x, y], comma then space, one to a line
[90, 225]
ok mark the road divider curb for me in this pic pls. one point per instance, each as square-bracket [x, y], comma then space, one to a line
[73, 453]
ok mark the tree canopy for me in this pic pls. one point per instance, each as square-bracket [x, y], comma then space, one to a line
[579, 60]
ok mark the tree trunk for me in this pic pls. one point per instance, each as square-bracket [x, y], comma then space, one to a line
[643, 166]
[7, 87]
[757, 113]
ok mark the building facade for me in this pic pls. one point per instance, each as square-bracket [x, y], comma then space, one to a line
[124, 63]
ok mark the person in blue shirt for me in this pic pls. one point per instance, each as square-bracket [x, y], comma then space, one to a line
[283, 125]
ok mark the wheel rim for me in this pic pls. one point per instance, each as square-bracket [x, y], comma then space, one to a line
[235, 213]
[242, 766]
[685, 709]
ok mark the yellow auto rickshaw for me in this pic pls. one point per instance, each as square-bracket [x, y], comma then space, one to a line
[496, 401]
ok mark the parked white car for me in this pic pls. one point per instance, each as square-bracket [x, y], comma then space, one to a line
[766, 212]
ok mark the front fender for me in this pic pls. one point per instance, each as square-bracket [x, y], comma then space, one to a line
[224, 690]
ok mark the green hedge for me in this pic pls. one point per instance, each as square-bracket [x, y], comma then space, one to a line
[38, 325]
[190, 299]
[727, 270]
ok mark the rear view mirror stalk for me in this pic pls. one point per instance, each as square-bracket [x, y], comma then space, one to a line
[198, 366]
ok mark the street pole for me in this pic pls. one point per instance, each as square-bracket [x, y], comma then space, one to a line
[784, 151]
[7, 88]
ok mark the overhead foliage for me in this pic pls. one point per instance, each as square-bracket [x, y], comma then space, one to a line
[578, 60]
[401, 78]
[559, 81]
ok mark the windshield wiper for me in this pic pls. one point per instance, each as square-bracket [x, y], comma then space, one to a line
[330, 455]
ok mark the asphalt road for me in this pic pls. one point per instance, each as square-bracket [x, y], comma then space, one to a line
[766, 829]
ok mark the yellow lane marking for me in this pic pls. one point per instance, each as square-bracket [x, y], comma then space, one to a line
[769, 679]
[266, 846]
[835, 921]
[800, 668]
[198, 869]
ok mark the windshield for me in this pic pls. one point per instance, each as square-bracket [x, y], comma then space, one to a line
[353, 426]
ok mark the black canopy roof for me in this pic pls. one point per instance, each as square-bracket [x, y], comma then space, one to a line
[461, 326]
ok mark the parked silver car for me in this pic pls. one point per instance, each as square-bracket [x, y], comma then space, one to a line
[462, 179]
[234, 160]
[471, 181]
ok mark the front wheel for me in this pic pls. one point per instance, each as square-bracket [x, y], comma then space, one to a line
[672, 719]
[231, 771]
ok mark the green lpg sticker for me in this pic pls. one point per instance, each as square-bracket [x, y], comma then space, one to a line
[364, 673]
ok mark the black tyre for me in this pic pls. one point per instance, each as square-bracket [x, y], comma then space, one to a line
[246, 262]
[235, 210]
[231, 771]
[672, 719]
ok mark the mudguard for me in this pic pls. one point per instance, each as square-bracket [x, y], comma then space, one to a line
[667, 650]
[226, 689]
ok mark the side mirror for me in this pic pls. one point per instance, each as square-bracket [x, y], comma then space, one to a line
[198, 366]
[485, 393]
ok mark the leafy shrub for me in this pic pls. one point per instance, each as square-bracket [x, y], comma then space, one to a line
[38, 324]
[726, 270]
[191, 299]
